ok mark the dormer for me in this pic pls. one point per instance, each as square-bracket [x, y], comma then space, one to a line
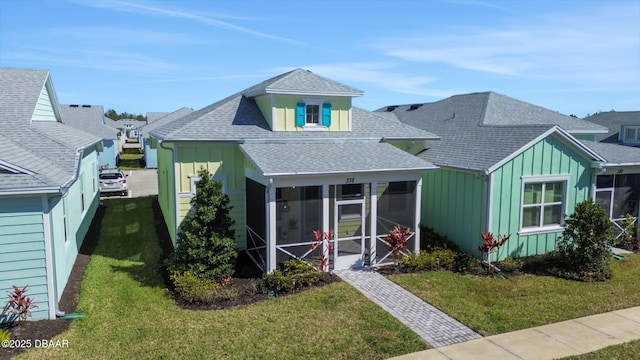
[630, 134]
[302, 101]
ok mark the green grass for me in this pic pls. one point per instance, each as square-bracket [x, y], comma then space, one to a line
[630, 350]
[130, 159]
[130, 313]
[493, 306]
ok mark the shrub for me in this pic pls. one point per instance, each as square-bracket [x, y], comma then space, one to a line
[196, 289]
[583, 250]
[19, 306]
[206, 243]
[295, 274]
[438, 259]
[511, 265]
[5, 335]
[466, 263]
[628, 240]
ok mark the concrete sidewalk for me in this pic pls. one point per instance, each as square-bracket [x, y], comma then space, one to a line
[553, 341]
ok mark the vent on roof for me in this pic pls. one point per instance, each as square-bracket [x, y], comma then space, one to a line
[391, 108]
[86, 105]
[414, 106]
[73, 105]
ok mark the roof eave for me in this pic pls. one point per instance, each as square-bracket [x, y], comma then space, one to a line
[304, 93]
[307, 173]
[30, 191]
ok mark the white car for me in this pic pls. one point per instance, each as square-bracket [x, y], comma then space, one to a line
[113, 181]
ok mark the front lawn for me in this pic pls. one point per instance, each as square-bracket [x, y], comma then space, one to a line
[131, 314]
[493, 306]
[630, 350]
[130, 159]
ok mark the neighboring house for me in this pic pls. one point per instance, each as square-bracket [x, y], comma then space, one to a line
[90, 118]
[506, 167]
[121, 132]
[130, 127]
[153, 116]
[624, 127]
[150, 153]
[295, 156]
[48, 189]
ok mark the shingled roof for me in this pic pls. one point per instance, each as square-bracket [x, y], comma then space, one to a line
[613, 120]
[35, 156]
[89, 118]
[166, 119]
[480, 130]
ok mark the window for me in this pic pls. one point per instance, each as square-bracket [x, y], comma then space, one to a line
[82, 193]
[195, 178]
[632, 134]
[543, 204]
[350, 211]
[313, 113]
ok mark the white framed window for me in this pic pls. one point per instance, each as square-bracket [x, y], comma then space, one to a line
[313, 114]
[543, 203]
[631, 134]
[195, 178]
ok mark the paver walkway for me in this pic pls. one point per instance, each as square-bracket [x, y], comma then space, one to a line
[432, 325]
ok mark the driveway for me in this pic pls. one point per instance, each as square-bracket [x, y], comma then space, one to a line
[141, 183]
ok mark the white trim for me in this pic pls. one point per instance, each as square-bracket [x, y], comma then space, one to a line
[14, 169]
[326, 222]
[539, 230]
[348, 94]
[194, 178]
[489, 205]
[271, 228]
[176, 189]
[274, 113]
[373, 214]
[418, 214]
[544, 179]
[350, 120]
[49, 258]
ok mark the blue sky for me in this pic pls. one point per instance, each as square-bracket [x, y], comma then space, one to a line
[575, 57]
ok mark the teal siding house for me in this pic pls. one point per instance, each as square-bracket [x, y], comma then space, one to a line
[48, 189]
[506, 167]
[90, 118]
[150, 152]
[295, 156]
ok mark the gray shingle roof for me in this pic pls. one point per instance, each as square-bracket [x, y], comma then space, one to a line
[613, 120]
[153, 116]
[479, 130]
[239, 119]
[89, 118]
[47, 149]
[302, 82]
[168, 118]
[322, 158]
[132, 122]
[614, 153]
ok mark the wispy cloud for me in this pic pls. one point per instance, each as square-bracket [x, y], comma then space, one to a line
[599, 45]
[121, 36]
[214, 20]
[384, 75]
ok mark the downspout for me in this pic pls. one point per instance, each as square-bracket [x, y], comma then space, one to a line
[175, 189]
[65, 187]
[52, 284]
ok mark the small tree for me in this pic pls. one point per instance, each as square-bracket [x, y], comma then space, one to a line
[19, 307]
[206, 242]
[584, 248]
[490, 245]
[398, 238]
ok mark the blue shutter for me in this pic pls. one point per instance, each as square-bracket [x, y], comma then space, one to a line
[301, 114]
[326, 114]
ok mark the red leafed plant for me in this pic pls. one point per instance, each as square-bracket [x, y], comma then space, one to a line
[491, 244]
[19, 306]
[323, 241]
[397, 239]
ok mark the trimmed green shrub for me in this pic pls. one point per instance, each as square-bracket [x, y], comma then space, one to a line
[196, 289]
[438, 259]
[583, 250]
[466, 263]
[206, 244]
[296, 274]
[511, 265]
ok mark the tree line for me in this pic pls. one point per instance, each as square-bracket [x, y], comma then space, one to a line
[114, 115]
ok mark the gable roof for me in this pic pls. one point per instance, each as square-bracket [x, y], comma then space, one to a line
[168, 118]
[153, 116]
[89, 118]
[613, 120]
[302, 82]
[237, 118]
[39, 156]
[492, 127]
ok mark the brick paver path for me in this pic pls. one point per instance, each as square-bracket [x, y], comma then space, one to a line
[434, 327]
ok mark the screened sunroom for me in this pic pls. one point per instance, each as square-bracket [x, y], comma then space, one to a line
[619, 194]
[357, 202]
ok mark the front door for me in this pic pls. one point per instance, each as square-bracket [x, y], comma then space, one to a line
[349, 234]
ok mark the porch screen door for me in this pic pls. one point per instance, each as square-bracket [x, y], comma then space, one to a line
[349, 234]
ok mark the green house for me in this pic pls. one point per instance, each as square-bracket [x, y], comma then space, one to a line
[48, 189]
[294, 156]
[513, 168]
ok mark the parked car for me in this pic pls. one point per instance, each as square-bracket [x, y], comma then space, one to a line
[113, 181]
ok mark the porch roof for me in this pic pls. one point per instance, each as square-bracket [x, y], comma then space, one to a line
[615, 155]
[330, 158]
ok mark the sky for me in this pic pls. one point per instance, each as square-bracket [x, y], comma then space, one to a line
[574, 57]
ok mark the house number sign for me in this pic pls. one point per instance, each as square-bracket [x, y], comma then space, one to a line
[350, 180]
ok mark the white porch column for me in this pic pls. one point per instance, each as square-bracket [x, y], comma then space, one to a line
[418, 214]
[373, 211]
[271, 228]
[325, 218]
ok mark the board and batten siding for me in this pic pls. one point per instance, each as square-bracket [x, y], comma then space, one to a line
[166, 187]
[44, 109]
[286, 113]
[551, 156]
[22, 250]
[454, 204]
[224, 160]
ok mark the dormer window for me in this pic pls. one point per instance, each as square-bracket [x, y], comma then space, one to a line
[631, 134]
[313, 113]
